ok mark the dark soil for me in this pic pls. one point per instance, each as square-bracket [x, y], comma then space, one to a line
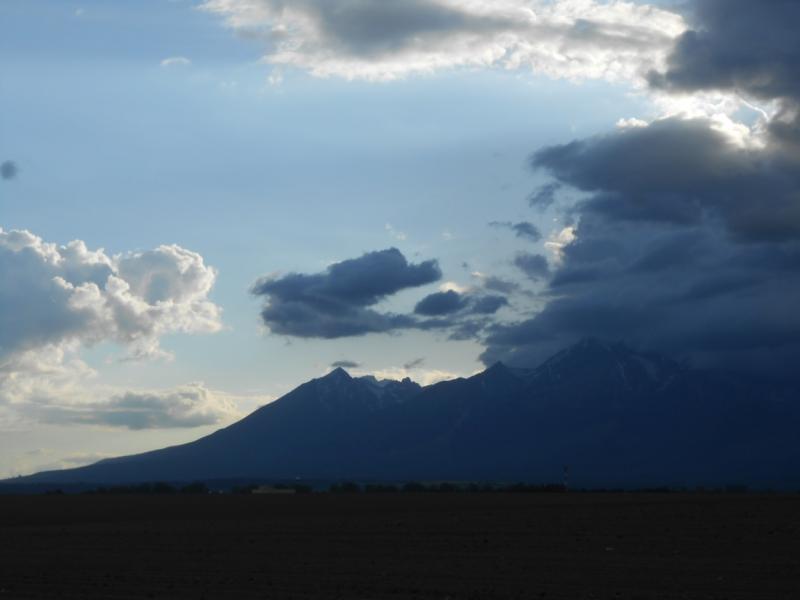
[481, 546]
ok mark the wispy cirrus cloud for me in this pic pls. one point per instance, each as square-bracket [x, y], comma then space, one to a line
[345, 364]
[175, 61]
[524, 229]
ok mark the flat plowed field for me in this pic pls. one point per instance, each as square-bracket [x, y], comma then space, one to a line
[482, 546]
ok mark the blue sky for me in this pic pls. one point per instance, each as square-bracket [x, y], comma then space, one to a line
[137, 124]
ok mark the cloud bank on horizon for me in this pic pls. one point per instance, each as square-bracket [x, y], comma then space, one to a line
[192, 405]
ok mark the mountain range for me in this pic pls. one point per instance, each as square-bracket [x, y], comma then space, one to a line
[613, 416]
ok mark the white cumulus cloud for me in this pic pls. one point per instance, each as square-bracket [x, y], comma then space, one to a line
[389, 39]
[58, 299]
[55, 295]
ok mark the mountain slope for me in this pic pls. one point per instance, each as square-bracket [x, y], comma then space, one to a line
[616, 417]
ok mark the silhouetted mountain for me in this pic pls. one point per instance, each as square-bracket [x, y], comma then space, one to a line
[616, 417]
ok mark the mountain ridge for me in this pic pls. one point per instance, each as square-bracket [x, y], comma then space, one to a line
[618, 417]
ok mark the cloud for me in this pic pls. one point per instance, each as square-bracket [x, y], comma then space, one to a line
[47, 459]
[523, 229]
[52, 373]
[414, 364]
[441, 303]
[559, 240]
[398, 235]
[687, 237]
[339, 301]
[680, 172]
[451, 302]
[494, 283]
[8, 170]
[488, 305]
[686, 243]
[535, 266]
[56, 300]
[421, 376]
[739, 45]
[345, 364]
[175, 61]
[188, 406]
[54, 295]
[389, 39]
[544, 197]
[746, 48]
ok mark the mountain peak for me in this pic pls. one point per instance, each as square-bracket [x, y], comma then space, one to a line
[591, 358]
[591, 346]
[497, 368]
[598, 345]
[499, 372]
[338, 374]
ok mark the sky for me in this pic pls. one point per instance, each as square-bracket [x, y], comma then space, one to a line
[206, 203]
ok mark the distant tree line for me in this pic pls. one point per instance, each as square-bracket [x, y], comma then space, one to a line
[444, 487]
[350, 487]
[158, 487]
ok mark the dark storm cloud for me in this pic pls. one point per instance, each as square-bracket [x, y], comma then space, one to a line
[451, 302]
[8, 170]
[682, 172]
[523, 229]
[738, 44]
[471, 329]
[356, 282]
[337, 303]
[750, 47]
[488, 305]
[441, 303]
[345, 364]
[340, 302]
[369, 28]
[728, 307]
[498, 284]
[533, 265]
[687, 243]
